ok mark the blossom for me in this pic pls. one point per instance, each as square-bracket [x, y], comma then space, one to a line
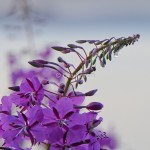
[72, 139]
[31, 93]
[62, 115]
[25, 126]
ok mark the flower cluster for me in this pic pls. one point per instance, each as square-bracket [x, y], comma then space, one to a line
[58, 118]
[53, 119]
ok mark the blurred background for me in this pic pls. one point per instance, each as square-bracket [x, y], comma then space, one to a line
[30, 26]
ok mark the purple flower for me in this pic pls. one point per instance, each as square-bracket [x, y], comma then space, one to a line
[25, 126]
[63, 115]
[60, 114]
[31, 93]
[72, 139]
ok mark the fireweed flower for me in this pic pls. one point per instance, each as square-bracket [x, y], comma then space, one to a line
[31, 93]
[62, 115]
[25, 126]
[72, 139]
[55, 116]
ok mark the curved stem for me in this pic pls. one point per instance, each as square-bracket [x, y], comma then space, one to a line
[123, 41]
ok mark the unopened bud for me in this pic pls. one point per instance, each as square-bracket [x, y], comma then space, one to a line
[91, 93]
[62, 49]
[94, 52]
[94, 68]
[36, 64]
[60, 90]
[62, 85]
[81, 41]
[60, 59]
[80, 81]
[14, 88]
[94, 106]
[40, 61]
[58, 48]
[87, 62]
[89, 71]
[74, 46]
[97, 122]
[91, 41]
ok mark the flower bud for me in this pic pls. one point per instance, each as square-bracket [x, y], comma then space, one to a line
[81, 41]
[91, 41]
[89, 71]
[62, 85]
[80, 81]
[94, 106]
[98, 42]
[91, 93]
[101, 62]
[62, 49]
[60, 59]
[87, 62]
[74, 46]
[60, 90]
[36, 64]
[94, 52]
[58, 48]
[14, 88]
[40, 61]
[97, 122]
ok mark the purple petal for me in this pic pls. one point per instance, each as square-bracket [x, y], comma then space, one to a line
[64, 106]
[77, 100]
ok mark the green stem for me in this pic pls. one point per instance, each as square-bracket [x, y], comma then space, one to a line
[123, 41]
[48, 147]
[81, 65]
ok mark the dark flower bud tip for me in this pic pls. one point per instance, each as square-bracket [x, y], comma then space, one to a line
[62, 49]
[62, 85]
[40, 61]
[80, 81]
[58, 48]
[14, 88]
[60, 90]
[36, 64]
[81, 41]
[91, 93]
[91, 41]
[60, 59]
[94, 106]
[74, 46]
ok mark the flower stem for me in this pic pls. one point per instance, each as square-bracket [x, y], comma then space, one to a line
[123, 41]
[48, 147]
